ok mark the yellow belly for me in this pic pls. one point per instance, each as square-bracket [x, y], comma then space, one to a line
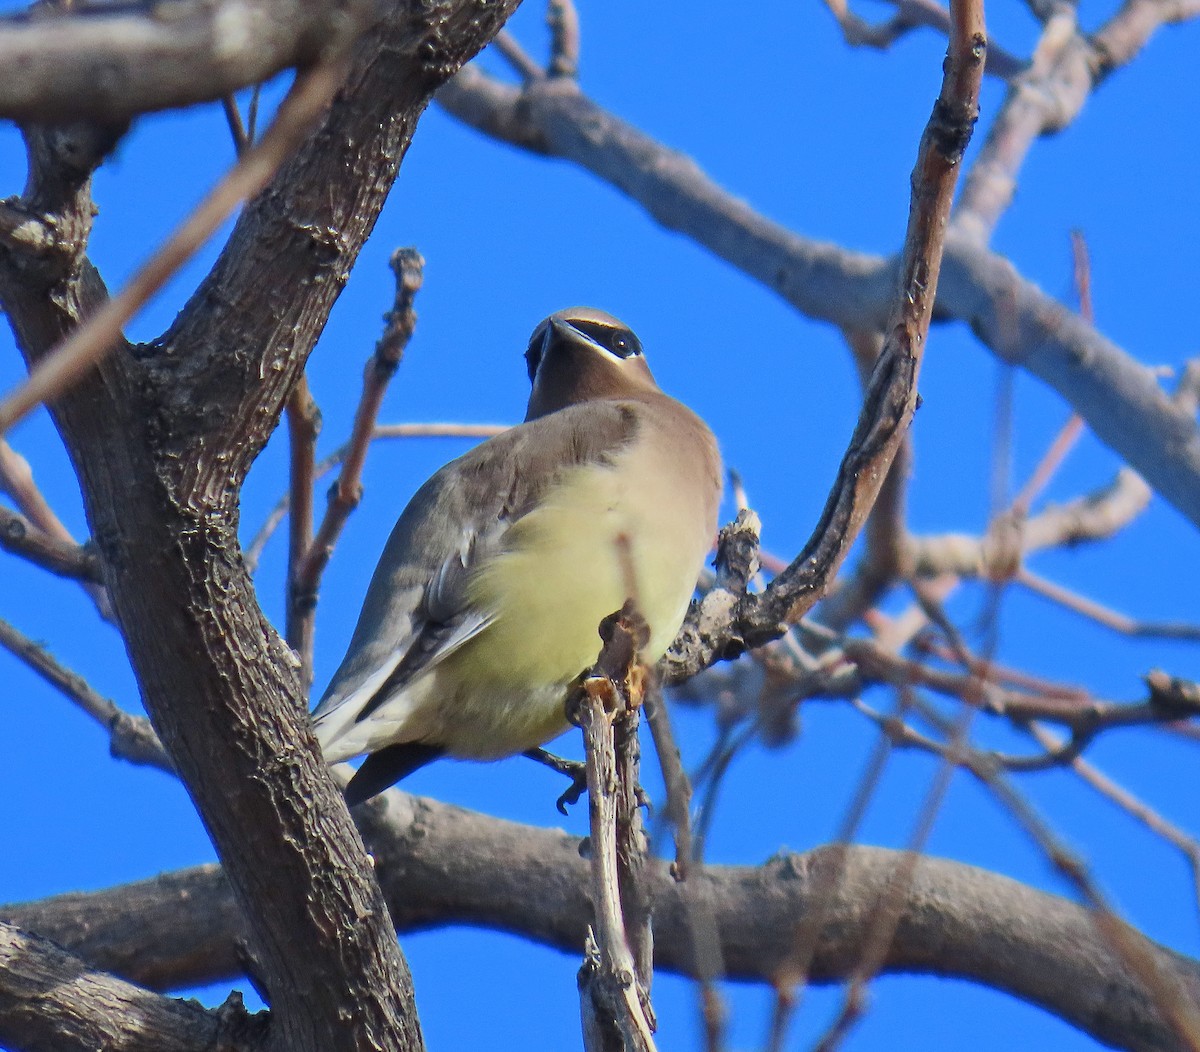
[562, 571]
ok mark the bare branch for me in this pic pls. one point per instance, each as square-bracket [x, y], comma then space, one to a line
[1020, 324]
[910, 15]
[1045, 96]
[233, 117]
[442, 865]
[108, 63]
[1128, 802]
[20, 537]
[304, 424]
[346, 492]
[1095, 517]
[563, 20]
[98, 335]
[51, 1001]
[16, 479]
[1104, 615]
[523, 64]
[49, 542]
[130, 737]
[892, 392]
[885, 532]
[613, 983]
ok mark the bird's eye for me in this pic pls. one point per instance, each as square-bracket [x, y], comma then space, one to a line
[624, 344]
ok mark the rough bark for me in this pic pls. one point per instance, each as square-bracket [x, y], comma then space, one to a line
[161, 438]
[440, 865]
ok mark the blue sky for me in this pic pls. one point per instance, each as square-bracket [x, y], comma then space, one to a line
[821, 138]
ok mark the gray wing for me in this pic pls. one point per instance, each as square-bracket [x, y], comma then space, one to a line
[416, 611]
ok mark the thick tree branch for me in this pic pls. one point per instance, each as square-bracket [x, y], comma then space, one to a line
[1117, 396]
[441, 865]
[162, 440]
[51, 1001]
[108, 62]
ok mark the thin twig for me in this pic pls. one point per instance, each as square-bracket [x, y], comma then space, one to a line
[1104, 615]
[563, 20]
[298, 113]
[276, 516]
[16, 479]
[130, 737]
[304, 425]
[910, 15]
[233, 118]
[1131, 804]
[252, 113]
[346, 492]
[707, 965]
[20, 537]
[523, 64]
[1073, 428]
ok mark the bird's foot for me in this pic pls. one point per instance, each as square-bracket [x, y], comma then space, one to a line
[576, 770]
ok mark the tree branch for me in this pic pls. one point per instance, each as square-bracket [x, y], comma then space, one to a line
[891, 394]
[67, 559]
[162, 440]
[51, 1001]
[910, 15]
[130, 737]
[441, 865]
[1017, 321]
[304, 580]
[108, 63]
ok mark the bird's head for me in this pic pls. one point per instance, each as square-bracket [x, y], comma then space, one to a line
[580, 355]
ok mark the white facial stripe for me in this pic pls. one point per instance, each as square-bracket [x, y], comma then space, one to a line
[600, 347]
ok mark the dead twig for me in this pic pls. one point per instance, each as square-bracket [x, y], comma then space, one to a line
[346, 492]
[233, 117]
[304, 425]
[67, 559]
[910, 15]
[130, 737]
[1104, 615]
[51, 539]
[563, 21]
[272, 522]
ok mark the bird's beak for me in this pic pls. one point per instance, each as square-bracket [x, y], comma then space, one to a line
[559, 329]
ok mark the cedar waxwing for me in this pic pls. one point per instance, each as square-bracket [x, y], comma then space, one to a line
[488, 597]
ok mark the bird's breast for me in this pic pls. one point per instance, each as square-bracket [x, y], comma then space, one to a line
[601, 534]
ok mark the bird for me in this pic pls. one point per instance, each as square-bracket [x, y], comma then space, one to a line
[486, 602]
